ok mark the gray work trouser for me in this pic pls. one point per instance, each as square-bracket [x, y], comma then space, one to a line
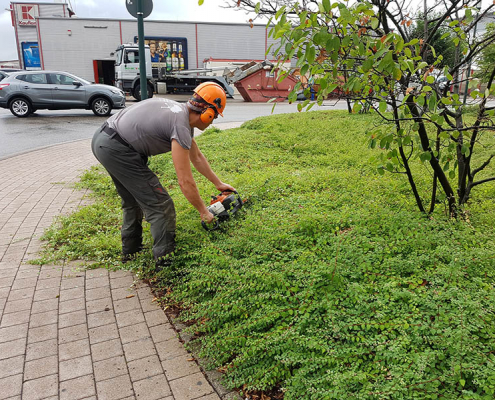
[140, 191]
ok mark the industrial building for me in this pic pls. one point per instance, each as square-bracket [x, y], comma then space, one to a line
[49, 36]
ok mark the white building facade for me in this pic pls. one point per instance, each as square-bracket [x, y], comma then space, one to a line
[50, 37]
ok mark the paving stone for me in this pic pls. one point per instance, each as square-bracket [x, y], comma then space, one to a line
[41, 367]
[212, 396]
[110, 368]
[46, 294]
[72, 305]
[21, 294]
[129, 318]
[75, 349]
[139, 349]
[75, 368]
[134, 332]
[42, 333]
[11, 366]
[44, 305]
[123, 282]
[71, 294]
[96, 283]
[13, 332]
[4, 292]
[163, 332]
[24, 283]
[48, 283]
[41, 349]
[8, 272]
[120, 273]
[96, 273]
[71, 319]
[45, 318]
[6, 282]
[104, 350]
[145, 368]
[179, 367]
[115, 388]
[149, 305]
[73, 333]
[11, 386]
[40, 388]
[127, 304]
[99, 305]
[157, 317]
[122, 293]
[17, 305]
[72, 282]
[103, 333]
[79, 388]
[190, 387]
[101, 318]
[153, 388]
[145, 293]
[170, 349]
[98, 293]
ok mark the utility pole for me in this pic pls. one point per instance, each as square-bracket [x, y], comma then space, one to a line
[142, 60]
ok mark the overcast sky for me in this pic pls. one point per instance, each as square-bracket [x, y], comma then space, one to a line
[171, 10]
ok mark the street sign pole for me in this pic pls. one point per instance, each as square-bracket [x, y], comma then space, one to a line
[142, 59]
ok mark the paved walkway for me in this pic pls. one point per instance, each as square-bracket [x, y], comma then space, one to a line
[67, 333]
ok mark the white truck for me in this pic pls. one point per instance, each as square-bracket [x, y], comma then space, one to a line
[127, 74]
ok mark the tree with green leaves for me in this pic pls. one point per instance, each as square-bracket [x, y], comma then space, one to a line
[384, 67]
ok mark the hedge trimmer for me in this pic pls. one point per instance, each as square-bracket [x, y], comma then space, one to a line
[223, 206]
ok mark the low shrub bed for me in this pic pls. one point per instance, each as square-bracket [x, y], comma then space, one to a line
[329, 284]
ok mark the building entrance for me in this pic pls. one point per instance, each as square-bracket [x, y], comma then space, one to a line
[104, 71]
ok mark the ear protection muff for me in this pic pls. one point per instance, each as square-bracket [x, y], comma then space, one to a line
[208, 115]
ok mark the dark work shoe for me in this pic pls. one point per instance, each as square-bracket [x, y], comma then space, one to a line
[124, 258]
[163, 263]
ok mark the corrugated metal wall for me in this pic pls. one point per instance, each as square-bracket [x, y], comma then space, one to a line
[95, 39]
[231, 42]
[72, 44]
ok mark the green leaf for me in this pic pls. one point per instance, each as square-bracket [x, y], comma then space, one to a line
[462, 382]
[326, 5]
[200, 2]
[432, 102]
[279, 12]
[310, 53]
[383, 106]
[374, 23]
[430, 79]
[257, 8]
[427, 88]
[367, 64]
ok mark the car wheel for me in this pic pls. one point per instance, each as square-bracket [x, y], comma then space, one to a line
[137, 92]
[101, 107]
[21, 107]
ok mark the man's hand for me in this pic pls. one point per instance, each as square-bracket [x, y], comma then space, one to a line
[224, 187]
[207, 217]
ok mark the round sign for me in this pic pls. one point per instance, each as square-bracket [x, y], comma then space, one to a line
[132, 7]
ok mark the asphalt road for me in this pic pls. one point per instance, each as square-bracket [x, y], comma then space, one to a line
[47, 128]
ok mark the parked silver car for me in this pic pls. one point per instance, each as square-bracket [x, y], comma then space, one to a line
[25, 92]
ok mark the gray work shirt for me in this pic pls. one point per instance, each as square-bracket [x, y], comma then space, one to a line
[150, 125]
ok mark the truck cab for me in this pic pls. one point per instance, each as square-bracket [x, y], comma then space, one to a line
[127, 70]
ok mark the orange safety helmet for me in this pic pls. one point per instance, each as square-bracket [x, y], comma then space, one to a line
[214, 95]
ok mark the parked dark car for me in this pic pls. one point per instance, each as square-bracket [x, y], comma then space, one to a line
[24, 92]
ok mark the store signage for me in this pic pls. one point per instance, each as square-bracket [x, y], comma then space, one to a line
[27, 14]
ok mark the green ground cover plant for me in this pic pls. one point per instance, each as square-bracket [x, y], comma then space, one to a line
[328, 285]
